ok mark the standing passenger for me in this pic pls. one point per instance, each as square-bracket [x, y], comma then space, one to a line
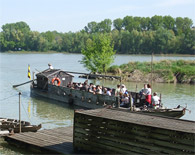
[149, 95]
[50, 66]
[143, 94]
[118, 89]
[123, 89]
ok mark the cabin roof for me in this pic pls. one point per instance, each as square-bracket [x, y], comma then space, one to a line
[49, 72]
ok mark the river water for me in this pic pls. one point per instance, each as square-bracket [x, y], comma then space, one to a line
[52, 114]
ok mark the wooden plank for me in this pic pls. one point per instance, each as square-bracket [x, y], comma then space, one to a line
[147, 120]
[131, 132]
[131, 140]
[161, 134]
[126, 126]
[58, 140]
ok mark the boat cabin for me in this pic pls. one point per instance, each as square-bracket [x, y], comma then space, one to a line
[53, 76]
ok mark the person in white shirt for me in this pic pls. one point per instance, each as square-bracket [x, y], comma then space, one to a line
[123, 89]
[50, 66]
[109, 92]
[155, 99]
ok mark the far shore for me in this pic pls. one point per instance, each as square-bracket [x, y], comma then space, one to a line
[64, 52]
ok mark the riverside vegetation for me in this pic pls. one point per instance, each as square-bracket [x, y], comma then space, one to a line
[130, 35]
[165, 71]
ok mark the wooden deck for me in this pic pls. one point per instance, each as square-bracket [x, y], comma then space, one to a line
[59, 140]
[108, 131]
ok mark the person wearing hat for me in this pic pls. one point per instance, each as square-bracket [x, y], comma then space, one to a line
[50, 66]
[123, 89]
[155, 100]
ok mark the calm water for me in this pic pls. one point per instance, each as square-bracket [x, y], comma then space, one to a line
[51, 114]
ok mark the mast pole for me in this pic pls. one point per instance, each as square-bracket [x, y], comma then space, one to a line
[152, 69]
[19, 113]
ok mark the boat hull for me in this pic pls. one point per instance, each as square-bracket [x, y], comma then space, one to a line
[76, 97]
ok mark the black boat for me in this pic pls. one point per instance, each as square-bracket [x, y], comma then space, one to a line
[12, 125]
[52, 84]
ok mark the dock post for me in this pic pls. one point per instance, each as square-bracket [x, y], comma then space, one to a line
[19, 113]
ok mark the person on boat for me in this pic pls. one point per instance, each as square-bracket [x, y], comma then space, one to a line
[69, 85]
[105, 91]
[109, 91]
[125, 100]
[85, 86]
[143, 93]
[93, 89]
[155, 100]
[123, 89]
[50, 66]
[90, 88]
[118, 90]
[98, 90]
[148, 96]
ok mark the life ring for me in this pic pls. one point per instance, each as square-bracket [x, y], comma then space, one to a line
[56, 79]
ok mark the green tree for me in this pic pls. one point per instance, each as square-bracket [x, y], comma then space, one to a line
[145, 23]
[15, 35]
[91, 27]
[98, 53]
[168, 22]
[118, 24]
[156, 22]
[105, 26]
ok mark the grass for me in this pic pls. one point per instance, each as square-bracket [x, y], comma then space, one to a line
[165, 68]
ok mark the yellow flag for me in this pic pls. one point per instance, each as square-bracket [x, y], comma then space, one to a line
[29, 76]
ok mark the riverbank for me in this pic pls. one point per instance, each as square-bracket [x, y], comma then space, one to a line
[65, 52]
[164, 71]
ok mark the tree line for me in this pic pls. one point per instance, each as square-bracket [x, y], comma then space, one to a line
[130, 35]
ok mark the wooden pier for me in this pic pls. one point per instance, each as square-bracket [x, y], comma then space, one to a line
[108, 131]
[59, 140]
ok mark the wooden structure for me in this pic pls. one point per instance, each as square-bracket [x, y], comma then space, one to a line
[50, 141]
[108, 131]
[45, 77]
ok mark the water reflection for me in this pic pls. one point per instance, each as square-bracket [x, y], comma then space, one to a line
[52, 113]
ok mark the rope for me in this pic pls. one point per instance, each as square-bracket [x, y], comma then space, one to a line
[7, 97]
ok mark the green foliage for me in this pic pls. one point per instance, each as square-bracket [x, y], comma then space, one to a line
[165, 68]
[130, 35]
[98, 53]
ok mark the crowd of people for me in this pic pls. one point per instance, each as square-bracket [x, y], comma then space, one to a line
[90, 88]
[121, 91]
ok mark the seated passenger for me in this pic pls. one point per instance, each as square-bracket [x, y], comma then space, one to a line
[90, 88]
[125, 101]
[93, 89]
[105, 91]
[155, 100]
[98, 90]
[109, 91]
[85, 87]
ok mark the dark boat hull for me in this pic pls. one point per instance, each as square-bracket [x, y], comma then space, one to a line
[93, 101]
[175, 113]
[13, 125]
[76, 97]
